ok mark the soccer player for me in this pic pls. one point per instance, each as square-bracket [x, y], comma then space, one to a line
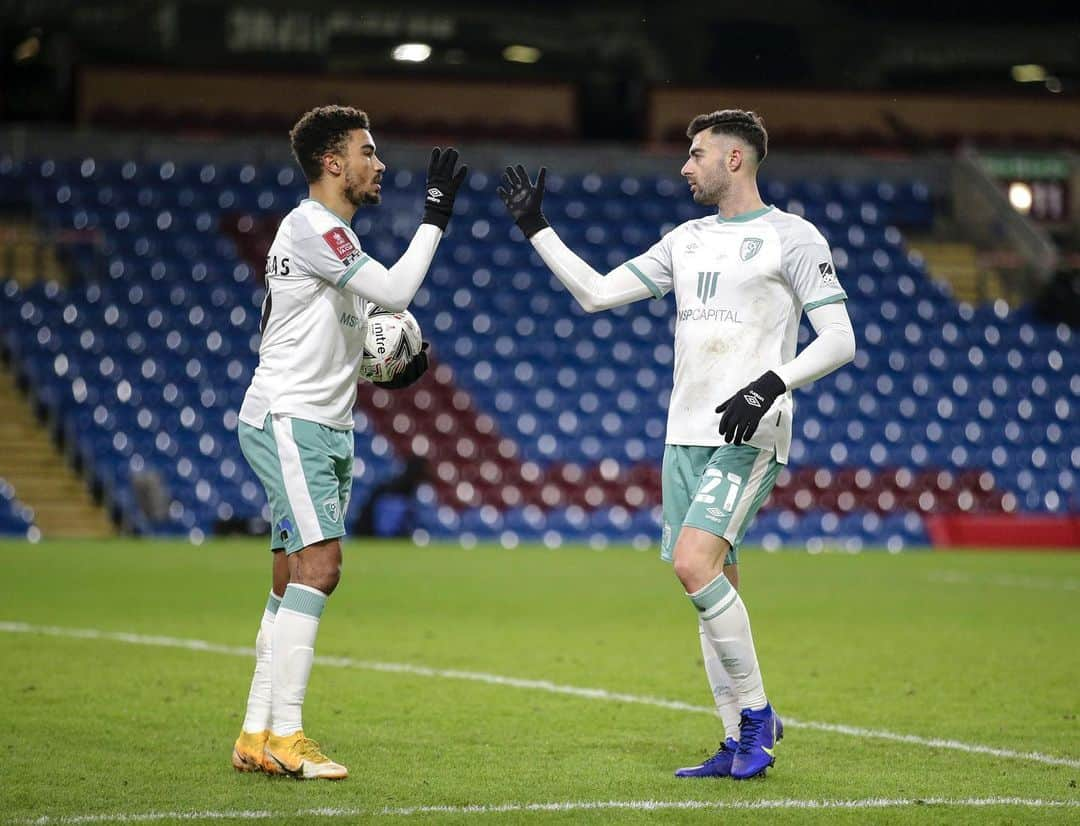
[296, 420]
[742, 278]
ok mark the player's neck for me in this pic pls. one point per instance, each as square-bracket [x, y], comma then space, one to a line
[740, 201]
[334, 201]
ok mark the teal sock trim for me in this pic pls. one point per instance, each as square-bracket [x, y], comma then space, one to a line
[722, 606]
[303, 601]
[273, 603]
[711, 594]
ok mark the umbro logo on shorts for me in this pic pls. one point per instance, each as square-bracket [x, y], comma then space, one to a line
[715, 514]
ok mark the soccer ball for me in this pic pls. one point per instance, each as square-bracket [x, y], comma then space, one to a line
[391, 341]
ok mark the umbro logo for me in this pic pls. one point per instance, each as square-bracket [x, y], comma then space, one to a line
[753, 398]
[435, 194]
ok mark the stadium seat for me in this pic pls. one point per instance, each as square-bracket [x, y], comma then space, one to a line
[160, 336]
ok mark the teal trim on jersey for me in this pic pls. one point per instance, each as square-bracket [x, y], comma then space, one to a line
[344, 223]
[648, 282]
[832, 299]
[746, 216]
[349, 273]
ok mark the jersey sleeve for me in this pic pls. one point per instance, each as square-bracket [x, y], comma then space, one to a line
[809, 268]
[333, 255]
[654, 267]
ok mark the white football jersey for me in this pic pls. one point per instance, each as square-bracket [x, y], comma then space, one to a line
[312, 329]
[741, 285]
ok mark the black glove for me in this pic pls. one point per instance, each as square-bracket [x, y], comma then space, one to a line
[743, 411]
[442, 187]
[412, 371]
[523, 199]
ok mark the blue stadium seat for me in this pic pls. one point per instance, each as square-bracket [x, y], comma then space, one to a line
[162, 326]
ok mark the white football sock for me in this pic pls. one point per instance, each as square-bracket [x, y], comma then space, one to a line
[258, 705]
[723, 689]
[293, 651]
[727, 627]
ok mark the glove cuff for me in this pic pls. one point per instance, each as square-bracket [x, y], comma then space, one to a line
[532, 224]
[772, 384]
[436, 217]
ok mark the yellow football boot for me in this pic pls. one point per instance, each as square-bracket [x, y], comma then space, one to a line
[247, 753]
[299, 757]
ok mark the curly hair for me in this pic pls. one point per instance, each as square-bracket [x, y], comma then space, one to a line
[323, 129]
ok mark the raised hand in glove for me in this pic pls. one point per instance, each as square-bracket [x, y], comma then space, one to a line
[442, 186]
[410, 373]
[743, 411]
[523, 198]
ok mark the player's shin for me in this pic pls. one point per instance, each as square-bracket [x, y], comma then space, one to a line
[293, 652]
[726, 625]
[723, 688]
[257, 718]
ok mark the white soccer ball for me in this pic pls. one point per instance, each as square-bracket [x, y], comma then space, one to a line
[391, 341]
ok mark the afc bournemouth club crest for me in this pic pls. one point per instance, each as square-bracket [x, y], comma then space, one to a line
[331, 508]
[749, 248]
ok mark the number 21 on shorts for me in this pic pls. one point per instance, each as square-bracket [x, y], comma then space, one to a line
[710, 490]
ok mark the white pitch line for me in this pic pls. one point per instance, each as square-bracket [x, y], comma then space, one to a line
[567, 806]
[535, 685]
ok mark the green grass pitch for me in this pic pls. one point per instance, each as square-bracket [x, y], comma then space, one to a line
[981, 649]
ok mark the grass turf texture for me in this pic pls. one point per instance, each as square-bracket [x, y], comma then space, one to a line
[980, 648]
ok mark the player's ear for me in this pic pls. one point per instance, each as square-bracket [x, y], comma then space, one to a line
[332, 163]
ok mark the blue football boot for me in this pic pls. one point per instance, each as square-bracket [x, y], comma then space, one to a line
[719, 765]
[759, 732]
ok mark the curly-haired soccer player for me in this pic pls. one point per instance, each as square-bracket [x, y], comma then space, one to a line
[296, 420]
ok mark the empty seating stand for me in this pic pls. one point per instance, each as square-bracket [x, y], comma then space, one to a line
[539, 421]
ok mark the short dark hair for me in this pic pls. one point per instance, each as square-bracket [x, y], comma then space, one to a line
[323, 129]
[741, 123]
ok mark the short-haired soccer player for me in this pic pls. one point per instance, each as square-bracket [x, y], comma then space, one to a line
[742, 279]
[296, 422]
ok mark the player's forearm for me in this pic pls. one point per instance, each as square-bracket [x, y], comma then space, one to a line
[833, 347]
[395, 287]
[592, 290]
